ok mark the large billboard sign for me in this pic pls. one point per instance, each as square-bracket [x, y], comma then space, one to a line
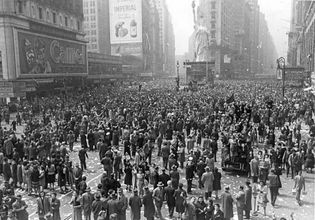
[125, 21]
[42, 54]
[127, 49]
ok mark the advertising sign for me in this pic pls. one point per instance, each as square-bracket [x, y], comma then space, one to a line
[125, 21]
[127, 49]
[41, 54]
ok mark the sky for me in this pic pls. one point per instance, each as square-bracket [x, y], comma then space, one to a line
[277, 14]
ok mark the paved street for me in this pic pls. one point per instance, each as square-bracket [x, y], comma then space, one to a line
[285, 204]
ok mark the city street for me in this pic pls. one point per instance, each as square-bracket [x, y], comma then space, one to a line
[285, 205]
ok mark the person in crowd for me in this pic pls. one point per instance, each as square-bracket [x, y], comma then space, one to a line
[43, 206]
[227, 203]
[248, 199]
[240, 202]
[299, 185]
[19, 209]
[216, 182]
[55, 206]
[76, 202]
[274, 186]
[217, 213]
[87, 199]
[207, 181]
[148, 205]
[135, 204]
[262, 197]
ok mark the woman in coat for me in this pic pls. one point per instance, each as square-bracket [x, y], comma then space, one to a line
[147, 201]
[55, 207]
[190, 210]
[216, 182]
[217, 214]
[77, 207]
[128, 175]
[200, 206]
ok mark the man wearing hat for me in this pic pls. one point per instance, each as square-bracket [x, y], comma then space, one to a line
[248, 199]
[135, 206]
[147, 200]
[227, 203]
[43, 205]
[123, 204]
[174, 174]
[169, 193]
[207, 181]
[164, 178]
[158, 195]
[87, 199]
[97, 206]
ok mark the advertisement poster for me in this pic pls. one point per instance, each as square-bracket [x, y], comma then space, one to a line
[127, 49]
[41, 54]
[125, 21]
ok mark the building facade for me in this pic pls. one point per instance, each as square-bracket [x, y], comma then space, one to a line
[167, 38]
[234, 30]
[40, 41]
[302, 35]
[96, 25]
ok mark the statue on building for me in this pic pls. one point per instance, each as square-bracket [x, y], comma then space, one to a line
[202, 37]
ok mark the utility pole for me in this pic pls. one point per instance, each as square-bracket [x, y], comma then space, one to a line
[177, 80]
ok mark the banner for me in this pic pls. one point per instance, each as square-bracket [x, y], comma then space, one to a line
[41, 54]
[125, 21]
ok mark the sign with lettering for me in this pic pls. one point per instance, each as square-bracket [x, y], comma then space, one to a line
[125, 21]
[42, 54]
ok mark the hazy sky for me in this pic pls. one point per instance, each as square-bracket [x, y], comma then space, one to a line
[277, 15]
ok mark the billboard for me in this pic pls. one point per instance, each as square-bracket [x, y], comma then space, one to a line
[42, 54]
[125, 21]
[127, 49]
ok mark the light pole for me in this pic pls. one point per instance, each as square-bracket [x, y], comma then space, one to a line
[281, 66]
[177, 80]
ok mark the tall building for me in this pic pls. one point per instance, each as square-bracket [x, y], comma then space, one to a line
[167, 37]
[302, 35]
[135, 35]
[41, 42]
[234, 36]
[96, 25]
[267, 54]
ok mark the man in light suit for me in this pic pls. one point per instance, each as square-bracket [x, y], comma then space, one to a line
[240, 202]
[87, 199]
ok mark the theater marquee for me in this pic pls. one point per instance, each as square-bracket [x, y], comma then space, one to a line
[45, 55]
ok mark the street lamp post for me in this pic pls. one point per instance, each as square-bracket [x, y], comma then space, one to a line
[281, 66]
[177, 80]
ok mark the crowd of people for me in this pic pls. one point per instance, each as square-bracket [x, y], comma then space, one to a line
[248, 123]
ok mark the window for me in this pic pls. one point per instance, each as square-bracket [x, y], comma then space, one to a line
[93, 18]
[47, 16]
[33, 11]
[92, 10]
[93, 32]
[20, 6]
[212, 34]
[71, 23]
[54, 17]
[212, 24]
[94, 46]
[86, 4]
[40, 13]
[213, 15]
[60, 20]
[213, 4]
[93, 39]
[78, 26]
[92, 3]
[66, 21]
[86, 18]
[85, 11]
[93, 25]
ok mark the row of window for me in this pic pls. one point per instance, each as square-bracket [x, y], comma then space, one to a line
[92, 18]
[92, 46]
[92, 32]
[92, 11]
[86, 3]
[89, 25]
[50, 16]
